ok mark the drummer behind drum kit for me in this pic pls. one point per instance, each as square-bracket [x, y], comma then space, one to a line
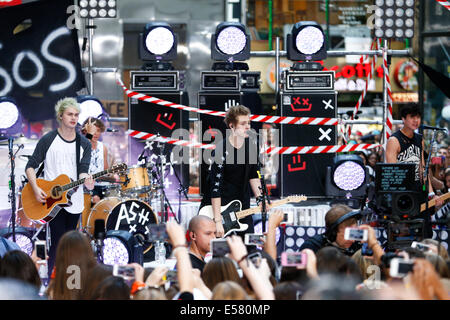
[125, 205]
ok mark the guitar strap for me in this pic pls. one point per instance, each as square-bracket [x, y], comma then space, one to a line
[77, 147]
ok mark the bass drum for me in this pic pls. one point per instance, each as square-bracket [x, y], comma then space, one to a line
[130, 215]
[101, 210]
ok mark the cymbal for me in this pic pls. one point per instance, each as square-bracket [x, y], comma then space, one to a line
[20, 140]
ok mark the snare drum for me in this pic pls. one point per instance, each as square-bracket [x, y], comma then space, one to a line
[136, 180]
[131, 215]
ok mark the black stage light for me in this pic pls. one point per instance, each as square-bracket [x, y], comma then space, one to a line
[24, 237]
[230, 42]
[306, 42]
[98, 8]
[10, 118]
[158, 42]
[394, 19]
[121, 247]
[90, 106]
[347, 178]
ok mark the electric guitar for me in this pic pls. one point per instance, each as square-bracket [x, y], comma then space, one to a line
[231, 213]
[59, 191]
[432, 203]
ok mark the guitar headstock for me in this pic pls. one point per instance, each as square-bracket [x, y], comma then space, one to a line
[120, 167]
[297, 198]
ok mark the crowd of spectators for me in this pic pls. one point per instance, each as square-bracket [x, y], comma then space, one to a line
[328, 273]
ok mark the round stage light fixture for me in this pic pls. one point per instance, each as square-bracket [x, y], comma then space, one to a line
[10, 118]
[309, 40]
[230, 42]
[24, 238]
[306, 42]
[90, 106]
[121, 247]
[347, 177]
[158, 42]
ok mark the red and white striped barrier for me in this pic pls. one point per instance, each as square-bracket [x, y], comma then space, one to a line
[153, 137]
[389, 119]
[366, 87]
[444, 3]
[320, 149]
[253, 117]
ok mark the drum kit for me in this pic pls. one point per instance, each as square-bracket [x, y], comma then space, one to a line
[124, 204]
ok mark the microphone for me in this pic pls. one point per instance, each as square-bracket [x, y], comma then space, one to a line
[111, 130]
[425, 127]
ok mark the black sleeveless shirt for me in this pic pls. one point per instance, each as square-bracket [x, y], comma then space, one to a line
[410, 150]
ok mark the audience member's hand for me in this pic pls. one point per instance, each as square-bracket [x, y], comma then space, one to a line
[311, 263]
[371, 235]
[176, 234]
[237, 248]
[426, 281]
[275, 219]
[138, 271]
[155, 278]
[264, 268]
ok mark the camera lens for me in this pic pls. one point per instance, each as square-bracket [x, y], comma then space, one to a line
[404, 202]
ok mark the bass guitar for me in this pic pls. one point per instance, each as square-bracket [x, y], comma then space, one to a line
[231, 213]
[59, 191]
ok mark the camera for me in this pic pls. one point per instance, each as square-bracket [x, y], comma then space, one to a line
[219, 247]
[254, 239]
[400, 267]
[293, 259]
[288, 218]
[356, 234]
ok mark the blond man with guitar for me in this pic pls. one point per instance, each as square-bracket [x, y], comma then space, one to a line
[62, 151]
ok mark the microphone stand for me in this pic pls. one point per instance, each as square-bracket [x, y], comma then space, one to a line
[165, 204]
[12, 186]
[263, 188]
[427, 165]
[181, 189]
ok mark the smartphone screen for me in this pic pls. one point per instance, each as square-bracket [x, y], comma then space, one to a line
[157, 232]
[355, 234]
[254, 239]
[219, 247]
[40, 250]
[293, 258]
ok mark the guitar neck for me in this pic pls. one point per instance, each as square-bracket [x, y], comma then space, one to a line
[248, 212]
[81, 181]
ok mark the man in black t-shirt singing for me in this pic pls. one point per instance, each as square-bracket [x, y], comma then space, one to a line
[230, 178]
[406, 146]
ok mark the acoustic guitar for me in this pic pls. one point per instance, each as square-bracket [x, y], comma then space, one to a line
[231, 213]
[59, 191]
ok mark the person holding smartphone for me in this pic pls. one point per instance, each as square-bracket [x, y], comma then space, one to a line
[229, 177]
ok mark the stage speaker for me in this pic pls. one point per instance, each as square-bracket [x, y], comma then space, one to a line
[306, 173]
[212, 125]
[153, 118]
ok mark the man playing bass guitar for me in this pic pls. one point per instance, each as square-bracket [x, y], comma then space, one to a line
[230, 178]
